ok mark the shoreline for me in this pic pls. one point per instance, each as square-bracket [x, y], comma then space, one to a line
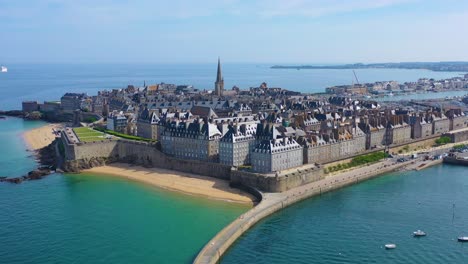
[40, 137]
[186, 183]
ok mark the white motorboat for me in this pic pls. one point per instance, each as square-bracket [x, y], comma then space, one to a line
[4, 69]
[390, 246]
[419, 233]
[463, 239]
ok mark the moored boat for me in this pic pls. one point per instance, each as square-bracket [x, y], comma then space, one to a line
[390, 246]
[419, 233]
[463, 239]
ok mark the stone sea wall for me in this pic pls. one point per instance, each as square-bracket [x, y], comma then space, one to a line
[277, 183]
[87, 155]
[458, 136]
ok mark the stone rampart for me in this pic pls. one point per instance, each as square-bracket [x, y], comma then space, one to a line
[142, 153]
[87, 150]
[277, 183]
[458, 135]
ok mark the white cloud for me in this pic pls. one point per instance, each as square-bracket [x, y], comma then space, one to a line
[320, 8]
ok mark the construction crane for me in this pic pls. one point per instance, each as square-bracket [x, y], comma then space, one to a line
[355, 76]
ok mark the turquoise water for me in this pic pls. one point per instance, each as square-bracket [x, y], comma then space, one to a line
[14, 160]
[351, 225]
[51, 81]
[96, 219]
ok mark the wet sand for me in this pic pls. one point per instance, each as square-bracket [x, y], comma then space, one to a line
[177, 181]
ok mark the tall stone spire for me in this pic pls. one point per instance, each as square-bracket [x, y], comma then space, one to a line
[219, 84]
[219, 76]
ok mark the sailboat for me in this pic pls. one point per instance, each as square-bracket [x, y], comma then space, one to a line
[4, 69]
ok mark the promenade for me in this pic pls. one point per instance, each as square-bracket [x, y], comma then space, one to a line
[273, 202]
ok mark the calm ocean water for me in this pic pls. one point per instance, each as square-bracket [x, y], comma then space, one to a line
[351, 225]
[96, 219]
[49, 82]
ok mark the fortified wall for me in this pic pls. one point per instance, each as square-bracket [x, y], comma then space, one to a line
[141, 153]
[278, 182]
[146, 154]
[458, 135]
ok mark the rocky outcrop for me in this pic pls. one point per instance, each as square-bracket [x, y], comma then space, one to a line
[32, 175]
[76, 166]
[47, 156]
[15, 113]
[47, 159]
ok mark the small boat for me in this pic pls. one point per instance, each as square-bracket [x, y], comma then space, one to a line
[4, 69]
[419, 233]
[390, 246]
[463, 239]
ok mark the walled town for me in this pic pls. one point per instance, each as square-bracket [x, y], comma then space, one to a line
[269, 138]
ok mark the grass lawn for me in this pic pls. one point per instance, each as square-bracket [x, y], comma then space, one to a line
[86, 134]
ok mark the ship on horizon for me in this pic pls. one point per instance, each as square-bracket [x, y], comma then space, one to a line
[4, 69]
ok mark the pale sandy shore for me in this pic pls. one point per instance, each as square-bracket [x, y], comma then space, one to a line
[40, 137]
[177, 181]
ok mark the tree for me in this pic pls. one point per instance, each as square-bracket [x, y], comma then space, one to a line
[443, 140]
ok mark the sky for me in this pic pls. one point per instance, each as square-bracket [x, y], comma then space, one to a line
[239, 31]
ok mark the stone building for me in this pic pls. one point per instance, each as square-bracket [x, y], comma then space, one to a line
[374, 130]
[352, 140]
[50, 106]
[308, 122]
[397, 130]
[276, 155]
[30, 106]
[191, 140]
[117, 121]
[456, 118]
[72, 101]
[440, 123]
[147, 125]
[315, 149]
[420, 127]
[237, 144]
[341, 142]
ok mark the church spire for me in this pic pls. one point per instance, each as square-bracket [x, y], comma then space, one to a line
[219, 84]
[219, 76]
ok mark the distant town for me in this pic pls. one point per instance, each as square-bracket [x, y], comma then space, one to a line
[259, 132]
[455, 66]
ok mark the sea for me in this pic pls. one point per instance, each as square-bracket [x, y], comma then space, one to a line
[352, 225]
[83, 218]
[50, 81]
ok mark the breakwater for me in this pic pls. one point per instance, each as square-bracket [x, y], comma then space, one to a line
[273, 202]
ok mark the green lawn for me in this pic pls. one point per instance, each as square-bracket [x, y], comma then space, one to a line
[86, 134]
[82, 129]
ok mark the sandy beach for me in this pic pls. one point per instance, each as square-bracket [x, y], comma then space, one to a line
[177, 181]
[40, 137]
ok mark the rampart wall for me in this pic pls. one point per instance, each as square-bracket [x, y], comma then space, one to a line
[277, 183]
[142, 153]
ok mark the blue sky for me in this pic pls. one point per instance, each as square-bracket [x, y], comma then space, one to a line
[262, 31]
